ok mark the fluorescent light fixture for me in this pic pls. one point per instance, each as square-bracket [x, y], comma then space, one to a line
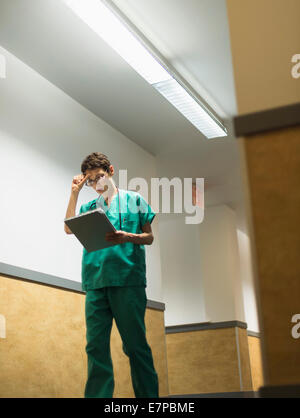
[117, 35]
[105, 23]
[191, 109]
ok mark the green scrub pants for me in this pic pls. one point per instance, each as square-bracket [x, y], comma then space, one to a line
[127, 305]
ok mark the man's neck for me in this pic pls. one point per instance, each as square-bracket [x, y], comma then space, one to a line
[112, 191]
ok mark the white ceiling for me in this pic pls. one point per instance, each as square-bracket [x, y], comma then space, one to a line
[193, 36]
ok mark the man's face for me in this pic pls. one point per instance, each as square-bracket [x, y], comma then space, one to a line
[98, 179]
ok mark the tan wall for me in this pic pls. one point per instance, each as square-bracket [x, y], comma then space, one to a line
[255, 362]
[273, 161]
[207, 361]
[245, 367]
[43, 354]
[264, 36]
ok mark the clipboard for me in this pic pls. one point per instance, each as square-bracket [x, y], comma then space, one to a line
[90, 229]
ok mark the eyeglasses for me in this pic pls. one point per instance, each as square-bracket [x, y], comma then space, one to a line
[90, 182]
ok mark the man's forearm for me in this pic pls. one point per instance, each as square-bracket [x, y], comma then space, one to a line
[143, 239]
[71, 210]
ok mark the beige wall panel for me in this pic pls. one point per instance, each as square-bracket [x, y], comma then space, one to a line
[264, 36]
[273, 161]
[43, 354]
[244, 360]
[203, 362]
[255, 362]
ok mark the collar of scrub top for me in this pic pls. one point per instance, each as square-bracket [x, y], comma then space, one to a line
[95, 204]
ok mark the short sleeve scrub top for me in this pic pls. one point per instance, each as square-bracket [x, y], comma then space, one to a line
[122, 264]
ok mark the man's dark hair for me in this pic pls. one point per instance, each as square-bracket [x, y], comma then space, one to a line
[95, 160]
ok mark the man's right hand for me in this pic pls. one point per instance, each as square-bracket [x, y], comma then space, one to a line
[78, 182]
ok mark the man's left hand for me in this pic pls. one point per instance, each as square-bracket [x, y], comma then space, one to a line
[117, 237]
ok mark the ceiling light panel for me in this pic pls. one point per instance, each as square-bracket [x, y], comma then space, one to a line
[118, 36]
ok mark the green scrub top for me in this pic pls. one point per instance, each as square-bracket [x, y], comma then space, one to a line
[121, 264]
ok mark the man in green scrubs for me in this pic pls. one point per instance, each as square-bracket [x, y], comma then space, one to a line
[114, 279]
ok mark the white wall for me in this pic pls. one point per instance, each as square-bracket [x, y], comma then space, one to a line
[181, 271]
[44, 136]
[201, 268]
[246, 241]
[219, 254]
[248, 287]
